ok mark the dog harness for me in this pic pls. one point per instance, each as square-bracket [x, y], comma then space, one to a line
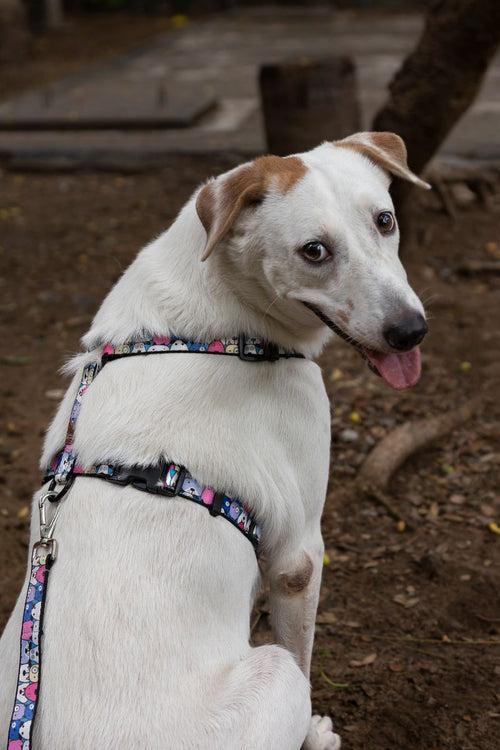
[166, 478]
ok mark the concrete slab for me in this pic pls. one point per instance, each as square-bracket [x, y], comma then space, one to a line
[104, 103]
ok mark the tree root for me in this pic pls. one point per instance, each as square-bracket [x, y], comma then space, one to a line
[386, 458]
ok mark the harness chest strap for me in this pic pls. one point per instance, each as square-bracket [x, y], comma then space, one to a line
[171, 480]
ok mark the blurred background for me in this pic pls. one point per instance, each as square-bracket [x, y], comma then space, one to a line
[111, 113]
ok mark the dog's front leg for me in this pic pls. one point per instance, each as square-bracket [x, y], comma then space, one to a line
[295, 580]
[294, 583]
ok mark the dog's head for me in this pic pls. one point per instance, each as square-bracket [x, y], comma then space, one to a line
[317, 232]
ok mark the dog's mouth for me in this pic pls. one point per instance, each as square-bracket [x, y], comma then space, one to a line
[399, 370]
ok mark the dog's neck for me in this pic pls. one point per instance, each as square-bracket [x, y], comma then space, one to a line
[167, 290]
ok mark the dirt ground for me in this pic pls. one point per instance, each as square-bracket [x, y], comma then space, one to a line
[407, 650]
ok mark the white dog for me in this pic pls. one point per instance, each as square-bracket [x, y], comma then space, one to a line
[146, 638]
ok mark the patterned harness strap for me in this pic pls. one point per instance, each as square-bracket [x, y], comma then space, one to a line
[171, 480]
[165, 479]
[247, 348]
[26, 702]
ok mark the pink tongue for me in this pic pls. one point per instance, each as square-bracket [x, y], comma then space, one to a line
[399, 370]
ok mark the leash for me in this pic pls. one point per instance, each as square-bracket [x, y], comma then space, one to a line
[43, 556]
[165, 478]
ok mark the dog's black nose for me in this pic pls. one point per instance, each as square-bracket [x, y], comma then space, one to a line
[407, 332]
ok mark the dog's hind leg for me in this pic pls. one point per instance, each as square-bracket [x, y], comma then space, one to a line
[264, 704]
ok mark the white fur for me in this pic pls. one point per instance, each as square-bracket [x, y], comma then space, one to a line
[147, 623]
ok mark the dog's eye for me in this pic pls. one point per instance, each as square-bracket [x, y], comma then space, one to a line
[386, 222]
[314, 252]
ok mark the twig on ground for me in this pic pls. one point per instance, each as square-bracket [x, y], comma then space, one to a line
[380, 497]
[445, 641]
[335, 685]
[470, 267]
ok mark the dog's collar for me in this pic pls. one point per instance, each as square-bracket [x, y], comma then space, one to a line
[246, 348]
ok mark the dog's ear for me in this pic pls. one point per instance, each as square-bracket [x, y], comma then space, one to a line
[387, 150]
[220, 201]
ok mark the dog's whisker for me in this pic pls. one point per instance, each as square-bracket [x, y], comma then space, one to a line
[273, 301]
[431, 298]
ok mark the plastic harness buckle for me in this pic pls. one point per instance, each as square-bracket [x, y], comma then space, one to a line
[271, 352]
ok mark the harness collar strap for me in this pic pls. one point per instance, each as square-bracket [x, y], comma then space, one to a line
[246, 348]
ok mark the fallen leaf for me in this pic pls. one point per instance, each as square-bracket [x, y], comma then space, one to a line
[433, 511]
[326, 618]
[326, 559]
[11, 428]
[355, 417]
[494, 528]
[178, 21]
[493, 249]
[363, 662]
[23, 513]
[396, 666]
[406, 601]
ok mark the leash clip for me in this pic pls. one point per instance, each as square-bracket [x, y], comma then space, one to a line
[46, 547]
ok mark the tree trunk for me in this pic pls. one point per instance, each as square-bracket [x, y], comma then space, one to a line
[14, 34]
[307, 101]
[438, 81]
[55, 14]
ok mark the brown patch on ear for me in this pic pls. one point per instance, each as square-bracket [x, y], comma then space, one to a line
[220, 201]
[387, 150]
[296, 581]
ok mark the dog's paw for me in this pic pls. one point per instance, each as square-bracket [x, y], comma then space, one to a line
[321, 735]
